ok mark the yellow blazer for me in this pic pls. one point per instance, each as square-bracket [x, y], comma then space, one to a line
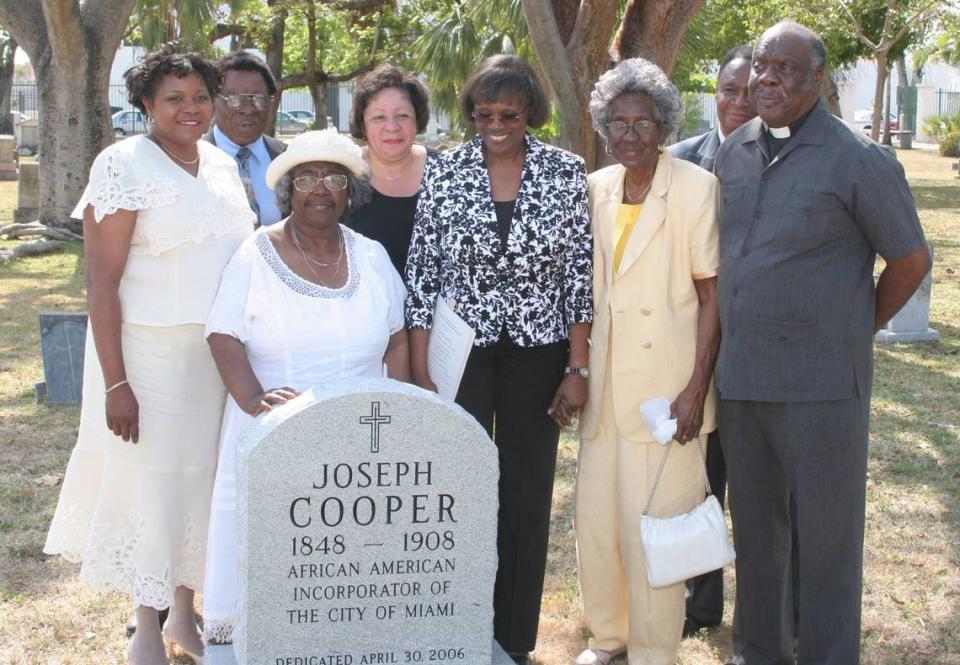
[645, 317]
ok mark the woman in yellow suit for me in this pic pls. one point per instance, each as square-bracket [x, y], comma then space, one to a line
[656, 333]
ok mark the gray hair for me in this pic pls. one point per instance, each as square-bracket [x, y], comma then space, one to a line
[358, 194]
[644, 77]
[818, 51]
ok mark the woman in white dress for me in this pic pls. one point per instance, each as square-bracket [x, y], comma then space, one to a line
[162, 215]
[303, 302]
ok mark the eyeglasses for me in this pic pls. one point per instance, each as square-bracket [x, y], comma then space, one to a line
[311, 183]
[618, 128]
[236, 101]
[508, 118]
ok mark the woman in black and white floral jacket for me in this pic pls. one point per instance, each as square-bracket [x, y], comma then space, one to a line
[502, 233]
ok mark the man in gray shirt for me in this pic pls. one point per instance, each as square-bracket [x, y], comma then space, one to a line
[807, 205]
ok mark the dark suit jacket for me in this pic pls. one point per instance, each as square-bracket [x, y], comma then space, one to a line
[798, 237]
[700, 150]
[274, 146]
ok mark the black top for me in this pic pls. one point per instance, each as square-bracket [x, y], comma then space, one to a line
[389, 221]
[504, 210]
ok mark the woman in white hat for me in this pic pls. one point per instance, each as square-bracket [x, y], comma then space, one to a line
[277, 324]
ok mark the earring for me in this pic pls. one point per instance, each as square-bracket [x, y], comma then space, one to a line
[660, 149]
[607, 149]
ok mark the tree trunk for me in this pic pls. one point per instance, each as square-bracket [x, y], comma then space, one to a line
[577, 50]
[71, 47]
[274, 54]
[315, 87]
[653, 29]
[7, 50]
[880, 60]
[575, 64]
[886, 110]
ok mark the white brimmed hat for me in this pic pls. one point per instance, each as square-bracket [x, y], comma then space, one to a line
[324, 145]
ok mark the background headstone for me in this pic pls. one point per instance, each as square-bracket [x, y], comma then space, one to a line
[8, 157]
[912, 322]
[28, 193]
[62, 341]
[367, 515]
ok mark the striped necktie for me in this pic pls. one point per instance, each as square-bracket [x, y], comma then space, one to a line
[243, 160]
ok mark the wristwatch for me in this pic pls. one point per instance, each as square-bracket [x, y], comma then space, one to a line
[582, 371]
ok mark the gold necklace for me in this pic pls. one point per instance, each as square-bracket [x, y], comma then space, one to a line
[637, 198]
[185, 162]
[309, 260]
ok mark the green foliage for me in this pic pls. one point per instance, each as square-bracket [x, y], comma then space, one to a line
[550, 130]
[457, 37]
[722, 24]
[944, 46]
[946, 129]
[698, 83]
[348, 40]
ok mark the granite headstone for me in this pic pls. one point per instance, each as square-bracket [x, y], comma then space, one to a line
[912, 323]
[62, 343]
[367, 517]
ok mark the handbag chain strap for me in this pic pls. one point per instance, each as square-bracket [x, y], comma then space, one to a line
[663, 463]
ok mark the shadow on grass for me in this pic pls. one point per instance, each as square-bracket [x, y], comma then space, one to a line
[938, 196]
[915, 449]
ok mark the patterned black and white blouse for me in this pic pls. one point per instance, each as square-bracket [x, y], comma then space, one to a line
[538, 285]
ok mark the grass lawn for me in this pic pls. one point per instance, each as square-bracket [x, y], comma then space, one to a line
[912, 556]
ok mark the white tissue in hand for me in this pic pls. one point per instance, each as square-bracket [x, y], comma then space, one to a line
[656, 416]
[665, 431]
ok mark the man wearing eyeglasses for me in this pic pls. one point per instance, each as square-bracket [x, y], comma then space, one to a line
[240, 116]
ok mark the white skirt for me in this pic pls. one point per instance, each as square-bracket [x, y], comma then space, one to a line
[135, 515]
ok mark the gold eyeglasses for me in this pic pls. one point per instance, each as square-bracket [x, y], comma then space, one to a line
[311, 183]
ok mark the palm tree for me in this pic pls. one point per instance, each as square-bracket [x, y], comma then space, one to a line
[458, 39]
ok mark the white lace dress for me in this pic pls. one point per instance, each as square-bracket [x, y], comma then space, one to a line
[295, 334]
[135, 515]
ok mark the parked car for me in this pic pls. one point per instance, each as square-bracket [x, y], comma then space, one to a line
[304, 116]
[287, 124]
[129, 122]
[864, 119]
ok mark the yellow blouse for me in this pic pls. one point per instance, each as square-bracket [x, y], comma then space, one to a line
[627, 215]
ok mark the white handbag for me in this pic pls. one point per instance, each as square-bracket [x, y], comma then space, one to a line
[681, 547]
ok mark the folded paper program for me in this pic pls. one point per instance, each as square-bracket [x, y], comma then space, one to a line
[656, 416]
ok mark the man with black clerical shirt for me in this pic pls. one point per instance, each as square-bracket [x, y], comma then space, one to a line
[807, 204]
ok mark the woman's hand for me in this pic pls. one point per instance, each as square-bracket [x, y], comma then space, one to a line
[423, 380]
[123, 413]
[688, 410]
[570, 398]
[266, 400]
[419, 340]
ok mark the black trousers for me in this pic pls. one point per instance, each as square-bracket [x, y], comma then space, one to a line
[508, 390]
[705, 592]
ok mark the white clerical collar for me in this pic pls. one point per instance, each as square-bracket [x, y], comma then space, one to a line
[778, 132]
[720, 133]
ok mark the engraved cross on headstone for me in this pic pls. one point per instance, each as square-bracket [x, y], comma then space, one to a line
[375, 420]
